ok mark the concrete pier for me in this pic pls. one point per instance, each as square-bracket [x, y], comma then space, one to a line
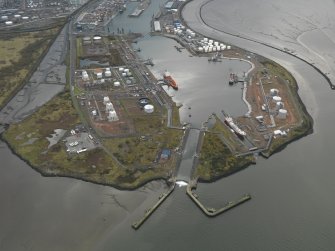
[212, 212]
[136, 225]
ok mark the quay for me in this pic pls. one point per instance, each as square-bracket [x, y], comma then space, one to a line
[136, 225]
[212, 212]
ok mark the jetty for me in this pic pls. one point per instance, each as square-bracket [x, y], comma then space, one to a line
[212, 212]
[136, 225]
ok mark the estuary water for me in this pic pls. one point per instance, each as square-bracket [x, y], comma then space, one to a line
[292, 206]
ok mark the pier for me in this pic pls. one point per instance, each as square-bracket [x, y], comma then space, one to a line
[212, 212]
[136, 225]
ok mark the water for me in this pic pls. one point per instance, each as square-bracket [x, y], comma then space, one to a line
[292, 206]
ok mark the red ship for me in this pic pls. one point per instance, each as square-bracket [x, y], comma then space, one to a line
[169, 80]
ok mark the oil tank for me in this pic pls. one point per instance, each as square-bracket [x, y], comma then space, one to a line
[149, 108]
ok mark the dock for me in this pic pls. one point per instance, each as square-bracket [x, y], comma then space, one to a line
[136, 225]
[212, 212]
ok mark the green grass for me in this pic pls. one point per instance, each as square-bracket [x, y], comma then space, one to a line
[216, 160]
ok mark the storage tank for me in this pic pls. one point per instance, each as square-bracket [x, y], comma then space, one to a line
[205, 39]
[124, 74]
[276, 98]
[17, 16]
[200, 49]
[99, 75]
[126, 70]
[214, 48]
[274, 92]
[112, 116]
[94, 112]
[216, 43]
[9, 23]
[108, 73]
[106, 100]
[121, 69]
[193, 34]
[109, 107]
[129, 73]
[228, 47]
[210, 49]
[206, 48]
[282, 114]
[218, 48]
[279, 105]
[149, 108]
[96, 39]
[210, 41]
[222, 47]
[117, 84]
[4, 18]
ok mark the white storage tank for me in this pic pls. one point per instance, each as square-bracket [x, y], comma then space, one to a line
[222, 47]
[279, 105]
[200, 49]
[112, 116]
[84, 75]
[9, 23]
[149, 108]
[108, 73]
[282, 114]
[129, 73]
[228, 47]
[126, 70]
[121, 69]
[97, 39]
[216, 43]
[25, 18]
[205, 39]
[214, 48]
[117, 84]
[106, 100]
[94, 112]
[274, 92]
[99, 75]
[4, 18]
[210, 49]
[276, 98]
[206, 48]
[109, 107]
[210, 41]
[218, 48]
[124, 74]
[17, 16]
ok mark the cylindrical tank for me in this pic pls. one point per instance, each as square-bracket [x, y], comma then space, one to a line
[210, 41]
[214, 48]
[94, 113]
[205, 39]
[282, 114]
[109, 106]
[25, 18]
[279, 105]
[223, 47]
[218, 48]
[108, 73]
[4, 18]
[149, 108]
[274, 92]
[228, 47]
[200, 49]
[117, 84]
[124, 74]
[126, 70]
[276, 98]
[216, 43]
[9, 23]
[206, 48]
[106, 100]
[210, 49]
[17, 16]
[121, 69]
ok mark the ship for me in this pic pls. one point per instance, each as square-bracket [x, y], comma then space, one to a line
[169, 80]
[230, 122]
[232, 79]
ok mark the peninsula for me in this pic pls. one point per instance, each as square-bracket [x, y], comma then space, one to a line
[115, 124]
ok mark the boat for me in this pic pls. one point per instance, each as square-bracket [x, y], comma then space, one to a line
[230, 122]
[169, 80]
[231, 79]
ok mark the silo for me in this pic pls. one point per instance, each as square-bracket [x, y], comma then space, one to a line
[149, 108]
[116, 84]
[282, 114]
[228, 47]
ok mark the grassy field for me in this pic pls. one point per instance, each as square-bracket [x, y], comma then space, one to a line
[28, 139]
[216, 159]
[20, 54]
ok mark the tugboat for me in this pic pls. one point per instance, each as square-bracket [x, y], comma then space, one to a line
[169, 80]
[231, 79]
